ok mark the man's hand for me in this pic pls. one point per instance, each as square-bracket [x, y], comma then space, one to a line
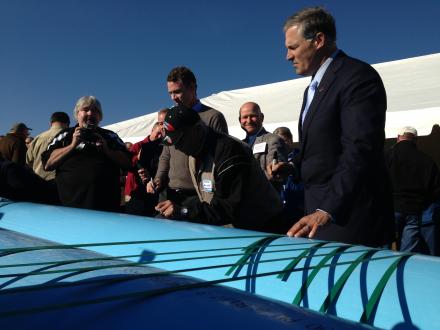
[308, 226]
[101, 143]
[59, 154]
[280, 170]
[154, 186]
[166, 208]
[76, 137]
[156, 133]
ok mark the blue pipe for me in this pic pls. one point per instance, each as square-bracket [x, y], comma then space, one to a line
[381, 288]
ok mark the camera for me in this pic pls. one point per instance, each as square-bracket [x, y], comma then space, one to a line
[88, 133]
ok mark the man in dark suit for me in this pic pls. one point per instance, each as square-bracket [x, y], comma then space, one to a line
[341, 133]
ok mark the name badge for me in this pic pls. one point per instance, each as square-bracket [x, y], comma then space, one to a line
[259, 147]
[207, 185]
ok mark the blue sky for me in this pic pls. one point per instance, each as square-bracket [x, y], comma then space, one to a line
[55, 51]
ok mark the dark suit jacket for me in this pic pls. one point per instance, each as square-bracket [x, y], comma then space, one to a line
[415, 178]
[341, 157]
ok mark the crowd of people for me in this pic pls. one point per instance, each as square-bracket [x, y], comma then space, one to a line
[338, 186]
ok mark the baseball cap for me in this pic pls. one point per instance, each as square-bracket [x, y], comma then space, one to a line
[407, 130]
[178, 118]
[17, 127]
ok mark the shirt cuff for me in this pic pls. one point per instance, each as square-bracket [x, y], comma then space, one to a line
[332, 219]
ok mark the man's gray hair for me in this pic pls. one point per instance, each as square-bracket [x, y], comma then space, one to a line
[312, 20]
[89, 101]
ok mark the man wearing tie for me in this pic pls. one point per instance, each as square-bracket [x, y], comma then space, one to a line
[341, 133]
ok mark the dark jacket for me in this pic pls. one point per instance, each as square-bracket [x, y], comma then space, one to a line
[173, 164]
[13, 148]
[19, 183]
[241, 193]
[415, 178]
[341, 156]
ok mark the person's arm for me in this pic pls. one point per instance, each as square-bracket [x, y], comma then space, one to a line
[134, 151]
[222, 208]
[57, 155]
[283, 169]
[118, 157]
[30, 156]
[130, 183]
[276, 153]
[162, 168]
[218, 123]
[113, 147]
[229, 187]
[362, 113]
[19, 153]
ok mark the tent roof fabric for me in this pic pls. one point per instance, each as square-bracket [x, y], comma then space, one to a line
[412, 87]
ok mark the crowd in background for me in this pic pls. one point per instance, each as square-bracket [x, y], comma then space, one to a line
[188, 167]
[136, 189]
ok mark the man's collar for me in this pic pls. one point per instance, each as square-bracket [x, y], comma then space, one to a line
[56, 126]
[317, 76]
[198, 106]
[256, 134]
[323, 68]
[250, 139]
[17, 135]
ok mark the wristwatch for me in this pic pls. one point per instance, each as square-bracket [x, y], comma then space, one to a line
[184, 211]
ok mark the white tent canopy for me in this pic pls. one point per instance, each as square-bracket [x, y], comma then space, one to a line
[412, 86]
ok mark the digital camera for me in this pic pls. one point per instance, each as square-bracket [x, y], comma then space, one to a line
[88, 133]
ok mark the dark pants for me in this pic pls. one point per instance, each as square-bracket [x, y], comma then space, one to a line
[416, 235]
